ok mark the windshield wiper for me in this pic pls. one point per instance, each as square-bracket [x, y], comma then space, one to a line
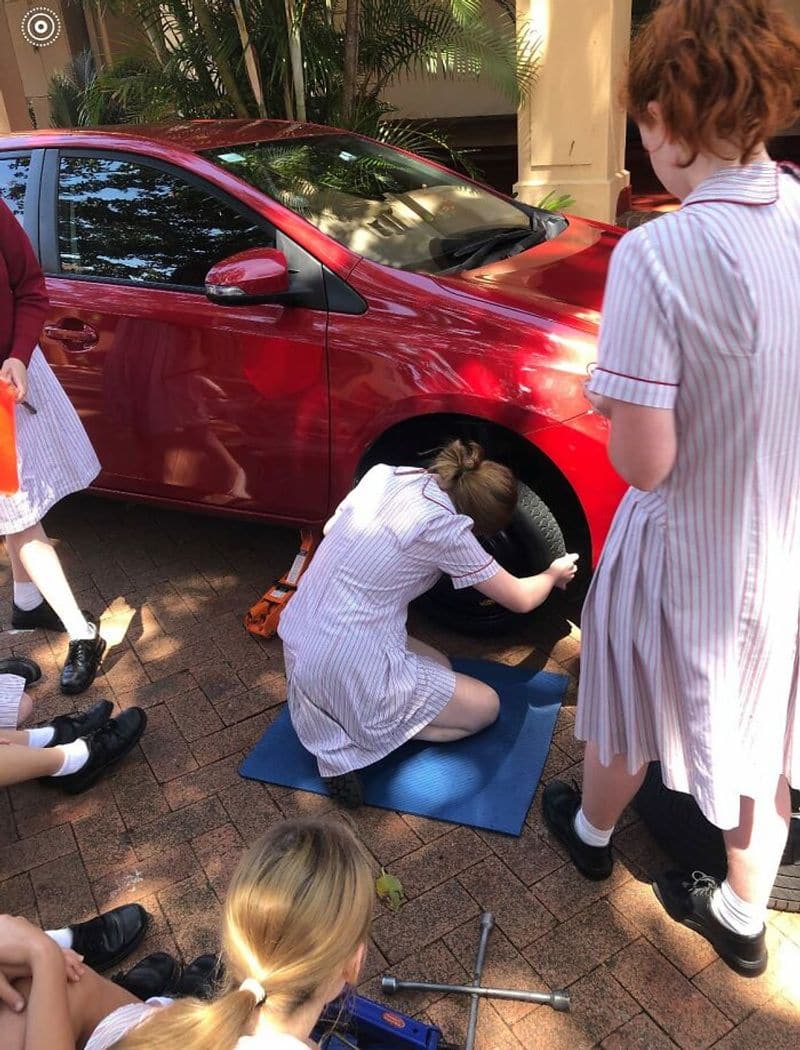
[468, 252]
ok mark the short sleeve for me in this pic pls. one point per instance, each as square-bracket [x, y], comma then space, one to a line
[638, 358]
[449, 542]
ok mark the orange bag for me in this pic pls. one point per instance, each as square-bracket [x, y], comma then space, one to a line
[264, 616]
[9, 477]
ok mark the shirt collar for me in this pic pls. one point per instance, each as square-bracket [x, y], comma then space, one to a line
[748, 184]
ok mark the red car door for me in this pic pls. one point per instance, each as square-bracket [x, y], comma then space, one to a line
[183, 399]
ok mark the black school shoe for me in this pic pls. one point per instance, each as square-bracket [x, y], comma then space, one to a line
[199, 979]
[107, 746]
[560, 804]
[345, 789]
[156, 974]
[160, 974]
[105, 941]
[687, 899]
[42, 618]
[83, 663]
[23, 667]
[69, 727]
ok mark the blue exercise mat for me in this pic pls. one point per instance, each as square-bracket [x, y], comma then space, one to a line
[486, 781]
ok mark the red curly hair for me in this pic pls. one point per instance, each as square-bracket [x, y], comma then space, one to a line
[722, 71]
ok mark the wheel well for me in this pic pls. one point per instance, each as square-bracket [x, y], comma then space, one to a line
[415, 440]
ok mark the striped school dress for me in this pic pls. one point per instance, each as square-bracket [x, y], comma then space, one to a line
[690, 628]
[355, 690]
[54, 455]
[12, 689]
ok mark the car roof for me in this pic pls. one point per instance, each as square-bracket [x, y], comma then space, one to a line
[191, 135]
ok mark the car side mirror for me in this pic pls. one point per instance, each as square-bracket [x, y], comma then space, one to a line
[259, 275]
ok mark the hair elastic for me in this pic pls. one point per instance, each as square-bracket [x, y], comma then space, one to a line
[250, 984]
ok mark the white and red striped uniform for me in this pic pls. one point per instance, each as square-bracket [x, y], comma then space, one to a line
[12, 689]
[54, 454]
[690, 629]
[356, 692]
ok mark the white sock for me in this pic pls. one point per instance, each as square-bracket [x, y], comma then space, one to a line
[80, 628]
[63, 938]
[40, 737]
[588, 833]
[76, 755]
[738, 915]
[27, 596]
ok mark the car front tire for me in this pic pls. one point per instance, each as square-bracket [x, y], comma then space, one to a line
[531, 542]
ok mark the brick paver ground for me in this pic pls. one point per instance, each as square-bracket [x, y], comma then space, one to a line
[167, 827]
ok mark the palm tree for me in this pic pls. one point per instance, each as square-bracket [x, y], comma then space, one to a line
[329, 61]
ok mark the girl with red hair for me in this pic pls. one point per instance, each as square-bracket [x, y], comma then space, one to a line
[690, 630]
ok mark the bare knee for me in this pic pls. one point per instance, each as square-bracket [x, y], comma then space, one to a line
[25, 708]
[489, 707]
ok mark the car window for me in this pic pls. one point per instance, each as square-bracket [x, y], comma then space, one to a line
[125, 220]
[389, 206]
[13, 182]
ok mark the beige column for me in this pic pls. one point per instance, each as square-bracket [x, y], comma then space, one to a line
[36, 65]
[571, 130]
[13, 104]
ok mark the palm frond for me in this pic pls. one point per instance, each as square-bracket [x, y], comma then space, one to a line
[553, 201]
[177, 75]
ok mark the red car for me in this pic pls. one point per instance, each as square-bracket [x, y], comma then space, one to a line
[249, 314]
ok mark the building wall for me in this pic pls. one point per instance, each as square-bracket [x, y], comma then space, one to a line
[414, 97]
[37, 65]
[421, 97]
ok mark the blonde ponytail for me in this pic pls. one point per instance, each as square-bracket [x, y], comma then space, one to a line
[297, 912]
[478, 487]
[190, 1023]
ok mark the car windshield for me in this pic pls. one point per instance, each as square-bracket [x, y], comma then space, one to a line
[387, 206]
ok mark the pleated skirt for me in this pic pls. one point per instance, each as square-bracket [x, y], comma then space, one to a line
[54, 454]
[653, 688]
[12, 689]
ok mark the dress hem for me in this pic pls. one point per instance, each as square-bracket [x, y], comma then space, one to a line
[37, 514]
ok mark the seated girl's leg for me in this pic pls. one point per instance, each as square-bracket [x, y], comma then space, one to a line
[423, 649]
[474, 706]
[19, 763]
[90, 1000]
[25, 708]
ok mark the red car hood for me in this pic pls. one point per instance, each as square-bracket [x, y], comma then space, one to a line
[563, 278]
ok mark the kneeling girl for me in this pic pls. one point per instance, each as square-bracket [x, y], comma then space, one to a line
[358, 686]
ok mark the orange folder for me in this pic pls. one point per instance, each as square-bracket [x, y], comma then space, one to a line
[9, 478]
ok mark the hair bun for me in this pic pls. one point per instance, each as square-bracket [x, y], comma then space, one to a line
[471, 455]
[456, 459]
[466, 455]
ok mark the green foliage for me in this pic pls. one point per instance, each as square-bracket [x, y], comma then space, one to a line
[179, 75]
[556, 201]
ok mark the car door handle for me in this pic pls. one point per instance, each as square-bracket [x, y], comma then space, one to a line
[75, 339]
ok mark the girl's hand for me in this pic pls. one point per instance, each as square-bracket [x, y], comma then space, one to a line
[23, 947]
[73, 964]
[74, 967]
[15, 374]
[563, 570]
